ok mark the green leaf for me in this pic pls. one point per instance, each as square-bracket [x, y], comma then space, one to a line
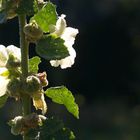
[53, 129]
[62, 95]
[51, 126]
[28, 7]
[3, 100]
[33, 64]
[51, 48]
[46, 16]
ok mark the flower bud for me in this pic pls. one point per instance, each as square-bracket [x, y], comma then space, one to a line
[14, 87]
[16, 125]
[31, 121]
[22, 125]
[32, 85]
[10, 7]
[43, 78]
[11, 14]
[33, 32]
[12, 62]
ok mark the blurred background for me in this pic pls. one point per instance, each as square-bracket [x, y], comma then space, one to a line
[105, 78]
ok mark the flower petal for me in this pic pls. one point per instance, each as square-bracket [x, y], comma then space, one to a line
[15, 51]
[60, 25]
[69, 36]
[3, 86]
[39, 102]
[66, 62]
[4, 72]
[3, 56]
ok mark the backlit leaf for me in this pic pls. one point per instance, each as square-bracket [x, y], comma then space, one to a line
[62, 95]
[33, 64]
[51, 48]
[46, 17]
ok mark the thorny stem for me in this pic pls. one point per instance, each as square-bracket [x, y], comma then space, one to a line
[26, 101]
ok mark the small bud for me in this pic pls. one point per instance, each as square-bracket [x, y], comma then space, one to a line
[32, 85]
[43, 78]
[31, 121]
[33, 32]
[10, 8]
[14, 87]
[22, 125]
[12, 62]
[16, 125]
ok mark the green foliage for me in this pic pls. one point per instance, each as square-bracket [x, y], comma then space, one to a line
[51, 48]
[28, 7]
[33, 64]
[3, 100]
[33, 134]
[46, 16]
[62, 95]
[3, 17]
[53, 129]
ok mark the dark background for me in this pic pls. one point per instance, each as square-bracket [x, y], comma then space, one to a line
[106, 76]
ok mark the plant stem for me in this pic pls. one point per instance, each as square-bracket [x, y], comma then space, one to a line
[26, 101]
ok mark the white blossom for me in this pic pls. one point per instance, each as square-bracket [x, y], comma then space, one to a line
[4, 56]
[3, 85]
[68, 34]
[13, 50]
[6, 51]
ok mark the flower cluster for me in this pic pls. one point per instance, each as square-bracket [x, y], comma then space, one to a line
[13, 86]
[53, 41]
[34, 83]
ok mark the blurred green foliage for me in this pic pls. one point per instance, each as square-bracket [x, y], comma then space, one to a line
[106, 75]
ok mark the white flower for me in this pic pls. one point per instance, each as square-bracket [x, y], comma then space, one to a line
[4, 56]
[5, 52]
[68, 34]
[3, 85]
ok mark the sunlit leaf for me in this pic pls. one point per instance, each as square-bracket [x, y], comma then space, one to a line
[62, 95]
[33, 64]
[46, 16]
